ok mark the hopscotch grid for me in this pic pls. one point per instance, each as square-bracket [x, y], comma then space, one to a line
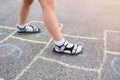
[52, 60]
[24, 70]
[66, 65]
[106, 52]
[33, 61]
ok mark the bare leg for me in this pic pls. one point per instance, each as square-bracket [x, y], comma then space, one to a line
[23, 14]
[24, 11]
[50, 19]
[48, 9]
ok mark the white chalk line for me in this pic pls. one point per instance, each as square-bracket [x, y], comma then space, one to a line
[104, 57]
[66, 65]
[81, 37]
[33, 41]
[112, 31]
[7, 37]
[7, 27]
[112, 52]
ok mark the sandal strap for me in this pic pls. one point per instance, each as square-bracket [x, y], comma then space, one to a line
[75, 48]
[21, 28]
[32, 27]
[63, 47]
[71, 50]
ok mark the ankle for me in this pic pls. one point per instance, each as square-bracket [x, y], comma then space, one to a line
[60, 42]
[20, 26]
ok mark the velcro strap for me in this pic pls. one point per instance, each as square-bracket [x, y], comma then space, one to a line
[64, 46]
[74, 49]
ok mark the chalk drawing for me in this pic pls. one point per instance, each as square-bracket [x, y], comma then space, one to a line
[13, 49]
[115, 66]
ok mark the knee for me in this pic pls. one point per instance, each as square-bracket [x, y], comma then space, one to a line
[47, 4]
[28, 2]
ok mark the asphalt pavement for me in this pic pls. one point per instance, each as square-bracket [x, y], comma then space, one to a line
[95, 24]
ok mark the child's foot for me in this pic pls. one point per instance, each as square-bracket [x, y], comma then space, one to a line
[68, 48]
[27, 29]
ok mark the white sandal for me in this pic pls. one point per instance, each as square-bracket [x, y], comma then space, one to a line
[68, 48]
[24, 30]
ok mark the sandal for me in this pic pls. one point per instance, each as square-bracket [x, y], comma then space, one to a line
[25, 29]
[68, 48]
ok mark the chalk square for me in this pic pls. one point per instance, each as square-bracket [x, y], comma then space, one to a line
[113, 41]
[111, 68]
[46, 70]
[5, 33]
[43, 36]
[15, 55]
[91, 56]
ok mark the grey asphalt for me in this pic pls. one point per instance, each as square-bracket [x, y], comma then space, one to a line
[95, 24]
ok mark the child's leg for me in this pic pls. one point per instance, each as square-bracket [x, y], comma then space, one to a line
[50, 20]
[24, 11]
[61, 45]
[22, 17]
